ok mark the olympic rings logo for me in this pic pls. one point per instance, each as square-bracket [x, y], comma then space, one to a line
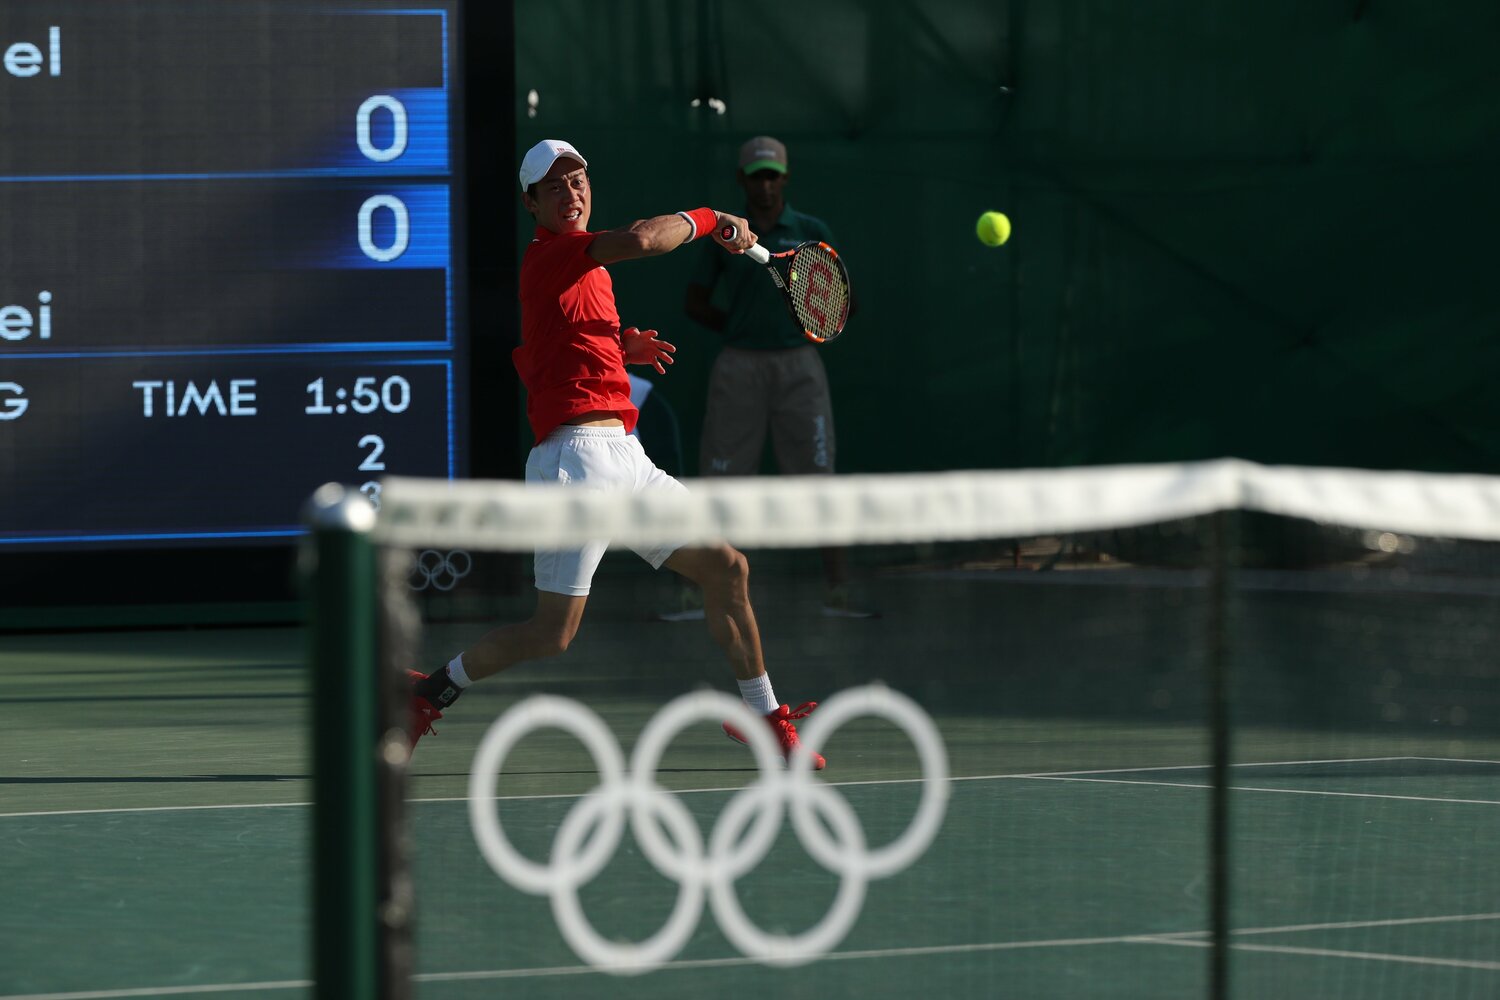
[439, 570]
[739, 840]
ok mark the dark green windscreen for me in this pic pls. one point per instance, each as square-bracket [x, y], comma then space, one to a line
[1240, 229]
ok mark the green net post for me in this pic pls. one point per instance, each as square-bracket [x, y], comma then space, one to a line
[345, 708]
[1224, 539]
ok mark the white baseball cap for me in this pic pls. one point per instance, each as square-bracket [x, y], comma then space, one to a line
[539, 159]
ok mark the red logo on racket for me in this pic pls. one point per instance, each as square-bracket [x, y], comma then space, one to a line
[822, 281]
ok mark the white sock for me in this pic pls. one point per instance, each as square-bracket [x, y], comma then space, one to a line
[758, 694]
[456, 672]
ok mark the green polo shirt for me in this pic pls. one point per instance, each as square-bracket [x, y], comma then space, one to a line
[758, 316]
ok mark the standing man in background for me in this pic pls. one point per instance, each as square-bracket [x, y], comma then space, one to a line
[768, 375]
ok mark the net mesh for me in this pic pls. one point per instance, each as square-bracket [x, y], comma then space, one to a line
[1191, 730]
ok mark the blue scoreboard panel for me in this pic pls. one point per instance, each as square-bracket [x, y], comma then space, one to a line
[228, 263]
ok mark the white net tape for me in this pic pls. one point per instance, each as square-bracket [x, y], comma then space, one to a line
[792, 512]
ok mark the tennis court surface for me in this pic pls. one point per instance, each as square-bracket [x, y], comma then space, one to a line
[157, 822]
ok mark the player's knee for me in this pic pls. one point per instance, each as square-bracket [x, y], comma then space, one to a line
[551, 639]
[717, 567]
[553, 644]
[733, 567]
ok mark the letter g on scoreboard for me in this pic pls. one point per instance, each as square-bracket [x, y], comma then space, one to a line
[13, 401]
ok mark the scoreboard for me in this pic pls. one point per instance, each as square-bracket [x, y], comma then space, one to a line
[229, 269]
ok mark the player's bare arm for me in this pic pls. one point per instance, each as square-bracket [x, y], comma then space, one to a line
[664, 233]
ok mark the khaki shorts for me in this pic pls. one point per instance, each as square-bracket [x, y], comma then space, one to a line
[750, 391]
[601, 458]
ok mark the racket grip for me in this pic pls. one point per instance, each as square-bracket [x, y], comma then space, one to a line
[757, 253]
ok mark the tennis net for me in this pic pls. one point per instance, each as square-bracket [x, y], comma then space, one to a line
[1212, 729]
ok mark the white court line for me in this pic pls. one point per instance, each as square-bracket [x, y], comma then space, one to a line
[1344, 925]
[1458, 760]
[578, 970]
[832, 956]
[153, 809]
[1184, 938]
[1374, 956]
[1371, 956]
[164, 991]
[840, 784]
[1204, 767]
[1254, 788]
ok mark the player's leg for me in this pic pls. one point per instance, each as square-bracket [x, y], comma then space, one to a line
[723, 574]
[563, 579]
[548, 632]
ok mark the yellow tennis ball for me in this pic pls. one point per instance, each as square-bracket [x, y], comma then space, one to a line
[993, 229]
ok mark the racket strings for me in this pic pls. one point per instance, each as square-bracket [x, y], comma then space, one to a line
[819, 291]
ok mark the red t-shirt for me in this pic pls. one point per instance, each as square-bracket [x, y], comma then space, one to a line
[570, 358]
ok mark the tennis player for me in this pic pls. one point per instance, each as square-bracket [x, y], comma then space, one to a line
[572, 362]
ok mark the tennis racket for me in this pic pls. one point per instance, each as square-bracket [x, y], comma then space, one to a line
[814, 281]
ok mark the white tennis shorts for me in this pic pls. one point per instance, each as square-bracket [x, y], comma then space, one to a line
[601, 458]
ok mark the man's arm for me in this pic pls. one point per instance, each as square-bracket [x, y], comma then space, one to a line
[662, 234]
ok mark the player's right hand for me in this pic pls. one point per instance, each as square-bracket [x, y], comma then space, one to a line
[743, 237]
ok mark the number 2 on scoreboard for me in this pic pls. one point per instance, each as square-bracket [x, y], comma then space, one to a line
[372, 462]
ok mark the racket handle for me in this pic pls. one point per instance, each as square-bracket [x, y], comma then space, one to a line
[757, 253]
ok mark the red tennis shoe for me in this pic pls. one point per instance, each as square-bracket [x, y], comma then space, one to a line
[780, 722]
[423, 712]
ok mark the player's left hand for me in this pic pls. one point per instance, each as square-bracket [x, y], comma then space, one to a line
[642, 347]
